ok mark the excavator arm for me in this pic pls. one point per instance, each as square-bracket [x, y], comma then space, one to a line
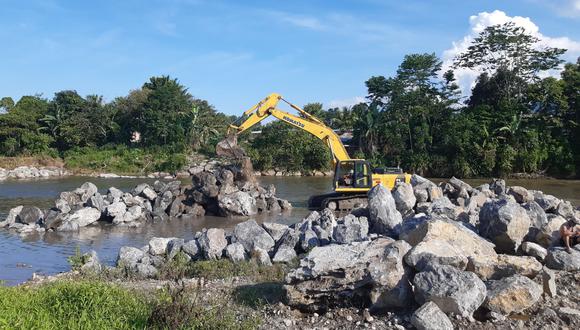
[308, 123]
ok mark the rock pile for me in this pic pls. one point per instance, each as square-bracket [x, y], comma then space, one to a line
[442, 250]
[222, 192]
[31, 172]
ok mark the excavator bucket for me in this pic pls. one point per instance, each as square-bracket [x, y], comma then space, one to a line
[229, 148]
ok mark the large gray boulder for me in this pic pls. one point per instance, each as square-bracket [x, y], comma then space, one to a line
[549, 234]
[426, 191]
[536, 213]
[62, 205]
[521, 194]
[261, 257]
[453, 290]
[404, 197]
[276, 230]
[251, 236]
[78, 219]
[435, 252]
[335, 274]
[116, 210]
[113, 195]
[384, 217]
[30, 215]
[558, 258]
[86, 191]
[130, 257]
[443, 208]
[512, 294]
[430, 317]
[565, 209]
[464, 241]
[308, 240]
[504, 265]
[192, 249]
[548, 202]
[534, 250]
[350, 229]
[505, 223]
[213, 242]
[389, 279]
[12, 215]
[236, 252]
[158, 245]
[284, 255]
[163, 202]
[97, 201]
[498, 186]
[239, 203]
[174, 247]
[91, 264]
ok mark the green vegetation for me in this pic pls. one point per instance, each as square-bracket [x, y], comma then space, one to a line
[122, 159]
[181, 267]
[72, 305]
[284, 147]
[98, 305]
[513, 121]
[183, 308]
[96, 301]
[78, 259]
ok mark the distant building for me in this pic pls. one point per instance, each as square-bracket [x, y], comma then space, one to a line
[135, 137]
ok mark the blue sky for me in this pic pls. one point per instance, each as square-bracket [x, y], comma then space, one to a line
[233, 53]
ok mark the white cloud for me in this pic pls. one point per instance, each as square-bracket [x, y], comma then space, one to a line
[304, 22]
[346, 102]
[347, 25]
[565, 8]
[466, 77]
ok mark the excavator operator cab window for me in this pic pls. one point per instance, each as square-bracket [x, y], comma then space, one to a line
[363, 174]
[353, 174]
[345, 174]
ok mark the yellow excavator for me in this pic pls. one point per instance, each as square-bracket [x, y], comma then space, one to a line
[353, 178]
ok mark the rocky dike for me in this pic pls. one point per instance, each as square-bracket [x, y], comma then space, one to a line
[422, 256]
[225, 191]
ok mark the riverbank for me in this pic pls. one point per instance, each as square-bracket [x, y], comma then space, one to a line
[229, 302]
[449, 255]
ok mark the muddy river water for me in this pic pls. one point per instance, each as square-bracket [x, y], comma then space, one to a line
[20, 256]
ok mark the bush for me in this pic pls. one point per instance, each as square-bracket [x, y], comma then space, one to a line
[182, 308]
[124, 160]
[72, 305]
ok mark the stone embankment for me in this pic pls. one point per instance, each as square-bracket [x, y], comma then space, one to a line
[31, 172]
[198, 166]
[223, 192]
[442, 254]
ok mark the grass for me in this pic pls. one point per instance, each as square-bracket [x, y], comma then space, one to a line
[77, 260]
[258, 295]
[181, 267]
[99, 305]
[123, 160]
[72, 305]
[36, 161]
[97, 301]
[183, 308]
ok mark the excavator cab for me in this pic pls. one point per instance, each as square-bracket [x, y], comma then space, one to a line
[352, 175]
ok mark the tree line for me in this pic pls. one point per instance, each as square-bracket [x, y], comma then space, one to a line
[515, 120]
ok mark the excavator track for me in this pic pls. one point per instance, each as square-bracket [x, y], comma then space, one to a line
[337, 201]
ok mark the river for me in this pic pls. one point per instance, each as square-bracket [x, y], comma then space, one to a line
[20, 256]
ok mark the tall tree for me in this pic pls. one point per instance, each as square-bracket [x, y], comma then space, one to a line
[167, 115]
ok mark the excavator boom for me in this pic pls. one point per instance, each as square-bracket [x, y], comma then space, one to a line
[267, 108]
[353, 177]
